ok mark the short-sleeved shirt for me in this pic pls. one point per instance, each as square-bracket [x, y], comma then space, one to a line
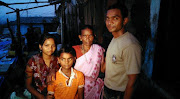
[123, 57]
[41, 70]
[66, 87]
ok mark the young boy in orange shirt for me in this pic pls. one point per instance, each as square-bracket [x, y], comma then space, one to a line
[69, 83]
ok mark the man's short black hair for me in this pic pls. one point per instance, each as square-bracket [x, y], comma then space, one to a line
[121, 7]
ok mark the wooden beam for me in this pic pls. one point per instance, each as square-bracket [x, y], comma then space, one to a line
[5, 4]
[35, 7]
[27, 2]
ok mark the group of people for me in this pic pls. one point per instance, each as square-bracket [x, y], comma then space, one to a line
[74, 72]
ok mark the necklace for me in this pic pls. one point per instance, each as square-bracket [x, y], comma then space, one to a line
[83, 50]
[82, 47]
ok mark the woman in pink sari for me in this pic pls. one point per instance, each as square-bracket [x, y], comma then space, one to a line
[90, 60]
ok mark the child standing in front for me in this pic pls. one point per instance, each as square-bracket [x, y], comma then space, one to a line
[69, 83]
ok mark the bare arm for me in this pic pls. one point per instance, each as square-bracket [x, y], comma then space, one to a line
[49, 96]
[130, 86]
[81, 93]
[29, 76]
[103, 65]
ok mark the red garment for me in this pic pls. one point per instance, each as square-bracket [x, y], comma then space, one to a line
[41, 70]
[78, 50]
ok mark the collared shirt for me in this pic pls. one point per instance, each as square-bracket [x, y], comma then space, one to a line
[65, 87]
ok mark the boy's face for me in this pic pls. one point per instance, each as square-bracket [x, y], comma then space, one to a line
[66, 60]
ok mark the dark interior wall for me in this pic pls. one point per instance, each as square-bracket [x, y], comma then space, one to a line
[140, 16]
[166, 51]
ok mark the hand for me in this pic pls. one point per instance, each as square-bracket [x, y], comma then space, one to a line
[49, 96]
[51, 76]
[41, 97]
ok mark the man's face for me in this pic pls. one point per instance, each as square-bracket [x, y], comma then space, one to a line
[114, 20]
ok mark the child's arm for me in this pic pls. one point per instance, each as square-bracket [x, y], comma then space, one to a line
[50, 89]
[49, 96]
[51, 76]
[81, 86]
[81, 93]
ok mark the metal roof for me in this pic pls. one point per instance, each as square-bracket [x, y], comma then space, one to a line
[36, 20]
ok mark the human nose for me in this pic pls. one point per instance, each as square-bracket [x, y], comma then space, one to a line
[87, 37]
[67, 60]
[51, 47]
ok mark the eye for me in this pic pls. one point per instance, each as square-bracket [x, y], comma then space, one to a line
[84, 35]
[69, 59]
[53, 46]
[107, 18]
[62, 59]
[91, 35]
[46, 44]
[116, 18]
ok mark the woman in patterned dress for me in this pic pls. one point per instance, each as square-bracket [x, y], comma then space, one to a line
[40, 65]
[90, 60]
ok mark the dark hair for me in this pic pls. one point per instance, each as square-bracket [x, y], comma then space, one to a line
[46, 36]
[67, 49]
[121, 7]
[89, 27]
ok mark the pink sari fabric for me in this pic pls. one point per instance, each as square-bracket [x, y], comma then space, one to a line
[89, 64]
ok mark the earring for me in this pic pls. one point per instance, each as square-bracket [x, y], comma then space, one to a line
[80, 40]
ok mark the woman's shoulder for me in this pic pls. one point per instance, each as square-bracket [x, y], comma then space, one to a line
[97, 46]
[33, 57]
[37, 58]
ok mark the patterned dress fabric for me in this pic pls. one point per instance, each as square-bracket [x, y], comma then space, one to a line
[89, 64]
